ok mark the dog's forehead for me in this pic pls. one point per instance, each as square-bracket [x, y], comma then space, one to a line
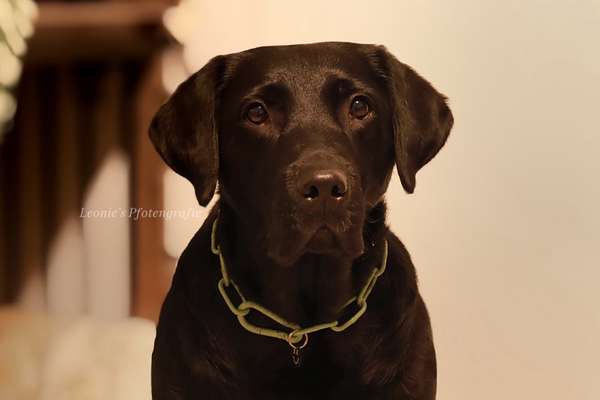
[302, 66]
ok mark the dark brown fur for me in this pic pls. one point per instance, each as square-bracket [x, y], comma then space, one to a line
[268, 230]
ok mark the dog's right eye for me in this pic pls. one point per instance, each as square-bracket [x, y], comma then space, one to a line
[256, 113]
[359, 107]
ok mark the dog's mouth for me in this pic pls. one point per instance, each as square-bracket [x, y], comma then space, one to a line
[324, 240]
[323, 228]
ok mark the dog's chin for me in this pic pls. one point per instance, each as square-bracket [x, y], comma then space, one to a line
[323, 241]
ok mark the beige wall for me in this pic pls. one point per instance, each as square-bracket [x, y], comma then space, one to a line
[504, 225]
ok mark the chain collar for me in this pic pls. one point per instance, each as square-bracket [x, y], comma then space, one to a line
[295, 335]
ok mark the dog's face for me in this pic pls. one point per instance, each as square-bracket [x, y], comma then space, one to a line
[302, 139]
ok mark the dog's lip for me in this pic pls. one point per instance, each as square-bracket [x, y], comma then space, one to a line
[323, 240]
[323, 232]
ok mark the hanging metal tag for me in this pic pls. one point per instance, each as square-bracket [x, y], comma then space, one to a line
[296, 347]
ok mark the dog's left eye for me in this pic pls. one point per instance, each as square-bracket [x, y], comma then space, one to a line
[256, 113]
[359, 107]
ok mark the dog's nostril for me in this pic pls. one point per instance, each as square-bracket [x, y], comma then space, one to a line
[311, 192]
[322, 186]
[338, 192]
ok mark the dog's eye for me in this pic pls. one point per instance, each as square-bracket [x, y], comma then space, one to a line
[359, 107]
[256, 113]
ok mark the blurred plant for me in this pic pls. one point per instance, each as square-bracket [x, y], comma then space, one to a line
[16, 25]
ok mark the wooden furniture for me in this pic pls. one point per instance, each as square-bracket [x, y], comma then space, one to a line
[91, 83]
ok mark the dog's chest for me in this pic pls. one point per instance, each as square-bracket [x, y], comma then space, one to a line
[327, 368]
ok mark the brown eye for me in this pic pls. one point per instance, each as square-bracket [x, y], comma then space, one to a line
[256, 113]
[359, 107]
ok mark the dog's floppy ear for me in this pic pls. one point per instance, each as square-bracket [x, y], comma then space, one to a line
[421, 118]
[184, 130]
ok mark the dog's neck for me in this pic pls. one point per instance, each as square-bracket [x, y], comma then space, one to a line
[315, 287]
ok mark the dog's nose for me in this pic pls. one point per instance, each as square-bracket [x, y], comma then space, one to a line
[324, 185]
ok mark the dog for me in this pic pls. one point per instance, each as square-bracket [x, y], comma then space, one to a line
[269, 299]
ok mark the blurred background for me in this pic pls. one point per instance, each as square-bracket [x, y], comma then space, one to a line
[503, 227]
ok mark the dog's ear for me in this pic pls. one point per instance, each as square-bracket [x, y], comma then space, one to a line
[184, 131]
[421, 118]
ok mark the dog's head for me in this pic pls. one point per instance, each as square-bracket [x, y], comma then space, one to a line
[302, 139]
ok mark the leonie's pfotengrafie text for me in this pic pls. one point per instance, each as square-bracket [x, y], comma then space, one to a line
[136, 213]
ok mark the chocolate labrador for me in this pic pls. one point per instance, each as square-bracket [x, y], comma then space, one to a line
[294, 287]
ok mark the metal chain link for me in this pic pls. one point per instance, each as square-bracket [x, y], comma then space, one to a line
[296, 333]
